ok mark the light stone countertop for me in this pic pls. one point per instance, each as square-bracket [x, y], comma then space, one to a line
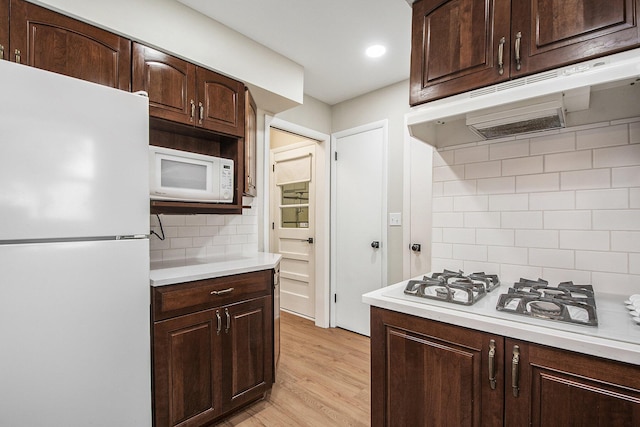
[616, 337]
[179, 271]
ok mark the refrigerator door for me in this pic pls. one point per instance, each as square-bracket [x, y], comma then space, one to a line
[73, 157]
[74, 324]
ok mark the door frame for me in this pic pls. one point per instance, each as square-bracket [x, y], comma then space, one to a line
[380, 124]
[322, 201]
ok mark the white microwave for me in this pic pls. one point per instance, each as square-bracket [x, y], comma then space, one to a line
[191, 177]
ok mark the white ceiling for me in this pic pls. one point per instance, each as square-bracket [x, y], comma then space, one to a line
[327, 37]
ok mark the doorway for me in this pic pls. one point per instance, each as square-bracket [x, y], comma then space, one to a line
[318, 251]
[358, 212]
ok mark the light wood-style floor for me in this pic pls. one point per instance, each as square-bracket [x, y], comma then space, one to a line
[322, 380]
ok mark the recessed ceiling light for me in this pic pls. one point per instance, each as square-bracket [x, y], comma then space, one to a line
[376, 51]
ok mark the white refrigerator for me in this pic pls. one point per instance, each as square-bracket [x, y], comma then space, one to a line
[74, 253]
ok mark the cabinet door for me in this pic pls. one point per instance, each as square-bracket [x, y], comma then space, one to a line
[559, 32]
[186, 369]
[220, 103]
[48, 40]
[4, 29]
[248, 363]
[455, 46]
[169, 81]
[561, 388]
[430, 373]
[250, 145]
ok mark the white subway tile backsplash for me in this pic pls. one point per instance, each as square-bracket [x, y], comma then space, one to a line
[471, 155]
[523, 166]
[459, 188]
[458, 235]
[625, 241]
[441, 250]
[215, 219]
[442, 204]
[442, 158]
[625, 177]
[181, 242]
[470, 203]
[437, 189]
[602, 199]
[507, 255]
[626, 155]
[195, 220]
[172, 220]
[634, 133]
[553, 143]
[612, 262]
[617, 220]
[495, 237]
[634, 198]
[585, 240]
[585, 180]
[567, 220]
[470, 252]
[557, 200]
[536, 183]
[516, 220]
[436, 234]
[439, 264]
[188, 231]
[575, 160]
[556, 258]
[634, 264]
[482, 219]
[448, 173]
[508, 150]
[559, 275]
[621, 284]
[477, 266]
[512, 273]
[496, 185]
[509, 202]
[444, 220]
[482, 170]
[537, 238]
[603, 137]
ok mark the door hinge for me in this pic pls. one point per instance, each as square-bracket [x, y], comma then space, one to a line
[273, 168]
[335, 297]
[335, 155]
[273, 225]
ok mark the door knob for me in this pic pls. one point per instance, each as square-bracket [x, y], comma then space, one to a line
[309, 240]
[375, 244]
[416, 247]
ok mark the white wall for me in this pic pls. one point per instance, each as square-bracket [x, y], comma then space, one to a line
[561, 206]
[277, 83]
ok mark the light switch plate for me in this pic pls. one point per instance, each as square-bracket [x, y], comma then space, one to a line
[395, 219]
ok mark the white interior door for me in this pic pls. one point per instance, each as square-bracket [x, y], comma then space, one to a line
[358, 229]
[293, 191]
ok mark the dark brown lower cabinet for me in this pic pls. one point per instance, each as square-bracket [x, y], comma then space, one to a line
[427, 373]
[209, 363]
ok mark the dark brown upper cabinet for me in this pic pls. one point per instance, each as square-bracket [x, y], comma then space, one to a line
[48, 40]
[250, 145]
[4, 29]
[185, 93]
[461, 45]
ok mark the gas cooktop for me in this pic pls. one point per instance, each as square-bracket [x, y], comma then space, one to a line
[454, 287]
[565, 302]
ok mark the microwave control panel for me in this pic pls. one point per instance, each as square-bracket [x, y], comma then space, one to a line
[226, 179]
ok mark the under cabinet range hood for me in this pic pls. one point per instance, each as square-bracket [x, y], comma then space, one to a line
[598, 90]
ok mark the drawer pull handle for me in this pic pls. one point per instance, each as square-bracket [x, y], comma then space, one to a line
[515, 371]
[222, 292]
[219, 322]
[226, 312]
[492, 364]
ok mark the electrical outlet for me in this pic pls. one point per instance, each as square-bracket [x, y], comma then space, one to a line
[395, 219]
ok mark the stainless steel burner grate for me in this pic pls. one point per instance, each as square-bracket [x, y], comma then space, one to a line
[454, 287]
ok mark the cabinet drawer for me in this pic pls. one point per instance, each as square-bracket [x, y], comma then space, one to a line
[175, 300]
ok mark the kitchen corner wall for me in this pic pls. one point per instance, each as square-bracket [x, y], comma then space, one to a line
[200, 236]
[564, 205]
